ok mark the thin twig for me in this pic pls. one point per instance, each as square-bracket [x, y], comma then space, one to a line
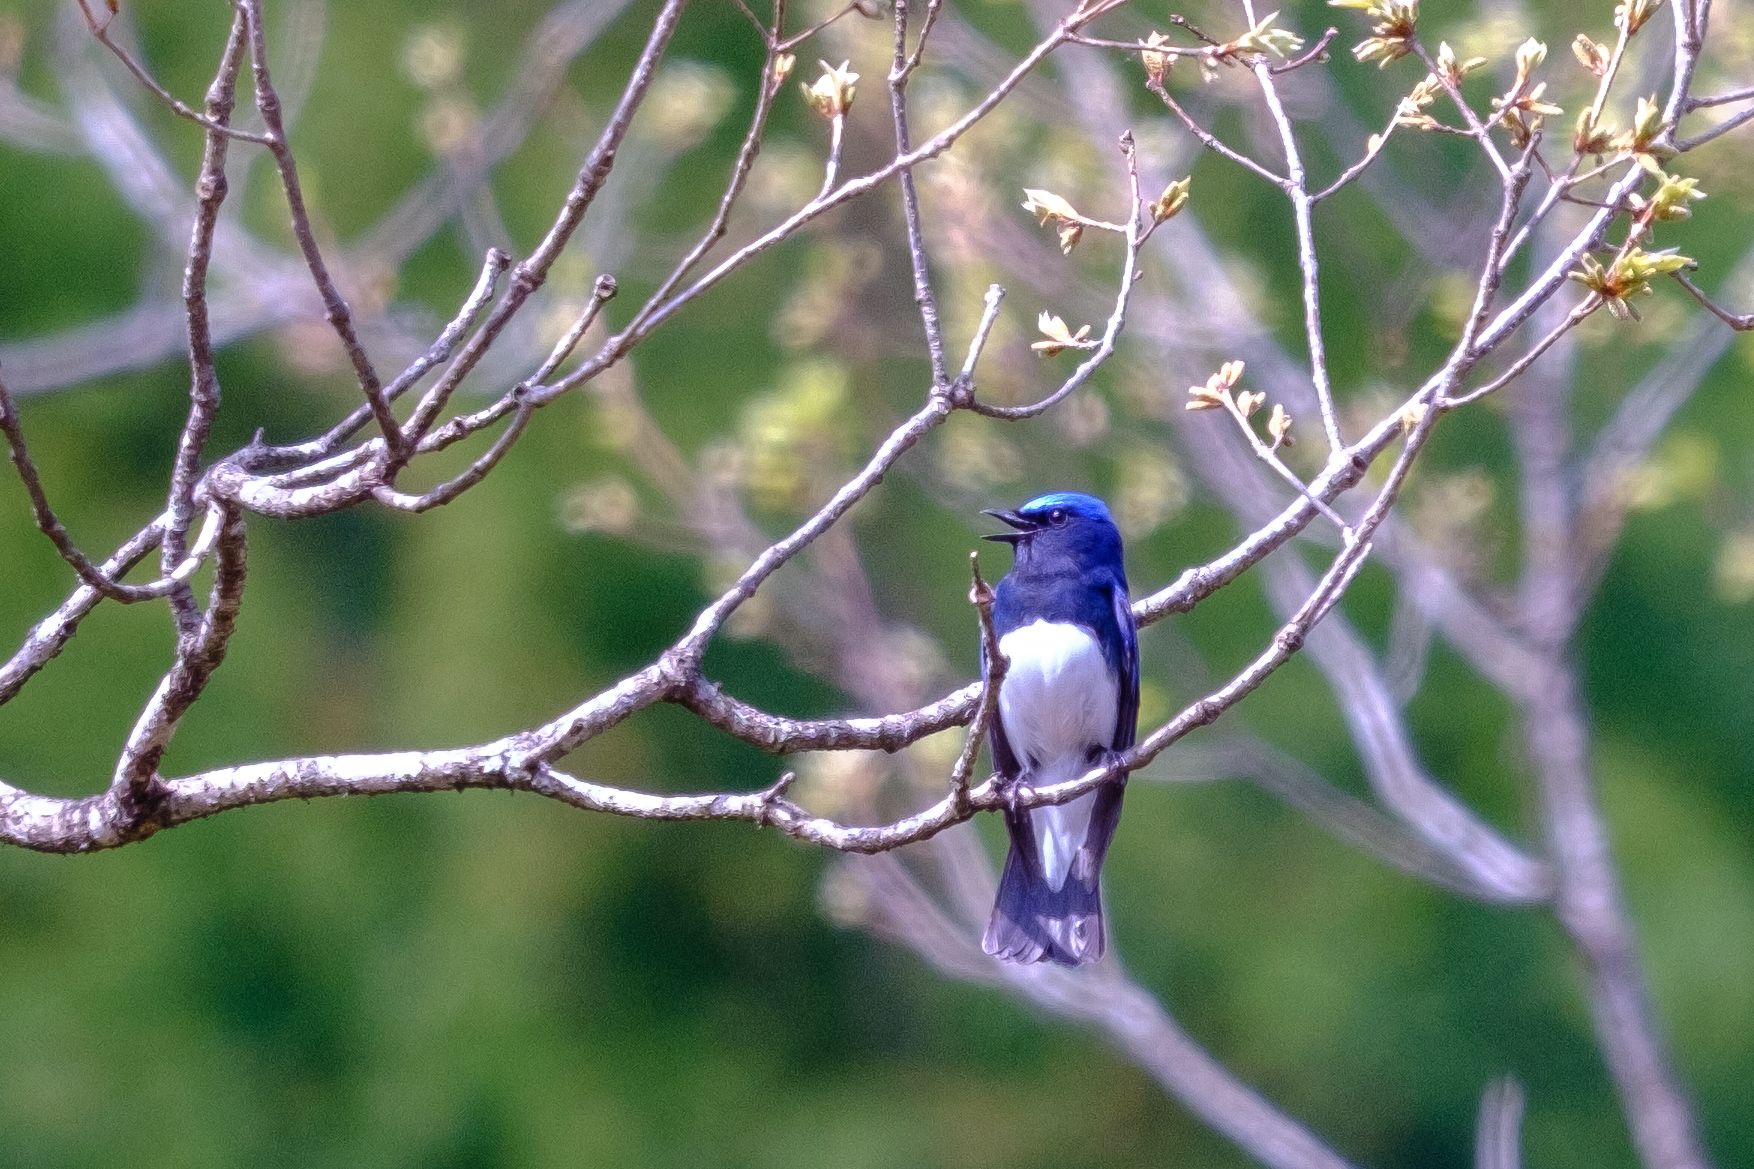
[210, 189]
[1588, 305]
[1297, 189]
[1271, 457]
[743, 7]
[1209, 139]
[439, 352]
[927, 302]
[1318, 52]
[933, 7]
[1722, 128]
[335, 309]
[50, 525]
[1610, 73]
[1104, 347]
[989, 316]
[746, 156]
[100, 29]
[601, 293]
[1721, 99]
[477, 471]
[1477, 130]
[1371, 154]
[1740, 324]
[528, 276]
[837, 126]
[799, 38]
[996, 664]
[52, 633]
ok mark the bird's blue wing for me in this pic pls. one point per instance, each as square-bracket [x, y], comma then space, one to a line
[1127, 720]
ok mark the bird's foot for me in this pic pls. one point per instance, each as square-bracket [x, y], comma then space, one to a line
[1106, 757]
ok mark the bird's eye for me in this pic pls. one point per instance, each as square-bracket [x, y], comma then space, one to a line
[1057, 516]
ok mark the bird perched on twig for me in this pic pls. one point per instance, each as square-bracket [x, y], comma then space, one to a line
[1069, 701]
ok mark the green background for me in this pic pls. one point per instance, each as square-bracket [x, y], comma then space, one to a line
[482, 979]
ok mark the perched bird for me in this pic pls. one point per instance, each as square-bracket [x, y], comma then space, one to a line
[1069, 700]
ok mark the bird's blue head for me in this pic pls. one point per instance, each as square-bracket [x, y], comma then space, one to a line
[1062, 524]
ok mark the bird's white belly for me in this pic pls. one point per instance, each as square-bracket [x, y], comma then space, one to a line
[1059, 699]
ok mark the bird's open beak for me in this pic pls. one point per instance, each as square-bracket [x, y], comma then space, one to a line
[1024, 526]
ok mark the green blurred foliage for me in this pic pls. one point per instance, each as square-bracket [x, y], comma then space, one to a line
[480, 979]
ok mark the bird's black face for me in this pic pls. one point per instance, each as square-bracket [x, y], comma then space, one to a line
[1062, 525]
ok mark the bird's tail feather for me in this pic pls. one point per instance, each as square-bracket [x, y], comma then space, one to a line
[1032, 920]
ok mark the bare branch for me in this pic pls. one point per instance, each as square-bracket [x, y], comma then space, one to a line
[210, 189]
[746, 156]
[1210, 140]
[912, 61]
[899, 73]
[1740, 324]
[995, 664]
[1104, 998]
[50, 525]
[620, 344]
[334, 304]
[439, 352]
[602, 292]
[1588, 902]
[1105, 345]
[1296, 187]
[477, 471]
[530, 274]
[1589, 906]
[831, 170]
[989, 315]
[1349, 819]
[1735, 121]
[1495, 869]
[136, 786]
[1447, 842]
[799, 38]
[1477, 130]
[1498, 1135]
[100, 29]
[1316, 53]
[1585, 307]
[1270, 457]
[749, 14]
[1722, 99]
[52, 633]
[1373, 151]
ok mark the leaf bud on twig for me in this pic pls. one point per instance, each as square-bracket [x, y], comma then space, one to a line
[1264, 38]
[1631, 14]
[831, 95]
[1046, 205]
[1279, 426]
[1156, 63]
[1451, 70]
[1391, 36]
[1592, 56]
[1059, 338]
[1173, 199]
